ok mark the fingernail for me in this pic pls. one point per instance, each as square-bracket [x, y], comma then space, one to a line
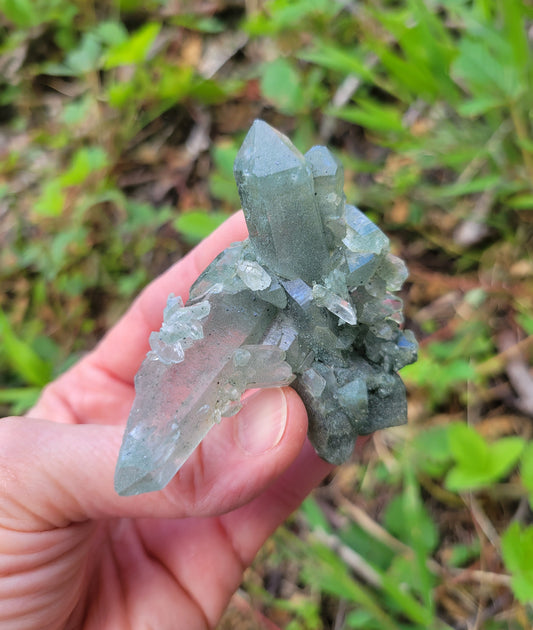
[261, 422]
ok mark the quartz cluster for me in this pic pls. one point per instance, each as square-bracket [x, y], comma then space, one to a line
[307, 300]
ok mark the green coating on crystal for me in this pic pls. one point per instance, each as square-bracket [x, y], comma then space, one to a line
[307, 300]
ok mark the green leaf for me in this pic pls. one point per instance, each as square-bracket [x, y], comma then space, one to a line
[375, 552]
[326, 571]
[74, 112]
[361, 619]
[20, 12]
[51, 200]
[314, 515]
[478, 463]
[339, 60]
[224, 154]
[403, 573]
[86, 160]
[526, 470]
[26, 363]
[504, 454]
[479, 105]
[111, 32]
[467, 446]
[522, 201]
[517, 552]
[19, 398]
[280, 15]
[481, 184]
[86, 57]
[196, 225]
[371, 115]
[133, 50]
[144, 215]
[120, 94]
[431, 449]
[461, 554]
[199, 23]
[410, 521]
[484, 66]
[221, 181]
[281, 85]
[525, 320]
[515, 32]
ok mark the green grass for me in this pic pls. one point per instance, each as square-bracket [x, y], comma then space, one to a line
[117, 141]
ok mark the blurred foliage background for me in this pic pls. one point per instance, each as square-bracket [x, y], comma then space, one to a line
[119, 123]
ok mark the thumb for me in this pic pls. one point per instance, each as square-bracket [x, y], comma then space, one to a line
[53, 474]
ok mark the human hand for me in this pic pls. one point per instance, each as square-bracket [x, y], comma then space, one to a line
[74, 554]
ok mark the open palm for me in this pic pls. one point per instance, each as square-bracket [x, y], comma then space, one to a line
[73, 554]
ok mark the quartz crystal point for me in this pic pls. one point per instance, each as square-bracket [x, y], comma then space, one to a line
[307, 300]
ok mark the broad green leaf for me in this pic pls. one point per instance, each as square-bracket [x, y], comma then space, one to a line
[224, 188]
[438, 376]
[224, 154]
[175, 83]
[515, 31]
[51, 201]
[145, 215]
[281, 84]
[211, 91]
[196, 225]
[120, 94]
[20, 12]
[134, 49]
[26, 363]
[517, 552]
[75, 111]
[86, 160]
[477, 462]
[111, 32]
[504, 454]
[86, 57]
[468, 448]
[130, 284]
[484, 67]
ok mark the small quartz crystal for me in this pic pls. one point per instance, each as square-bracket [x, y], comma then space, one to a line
[307, 300]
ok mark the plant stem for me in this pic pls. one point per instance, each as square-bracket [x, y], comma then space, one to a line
[522, 133]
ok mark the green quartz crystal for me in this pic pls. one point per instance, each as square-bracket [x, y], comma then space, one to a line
[307, 300]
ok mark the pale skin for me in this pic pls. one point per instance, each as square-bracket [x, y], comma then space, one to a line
[73, 554]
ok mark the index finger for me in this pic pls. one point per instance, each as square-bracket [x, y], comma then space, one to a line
[124, 347]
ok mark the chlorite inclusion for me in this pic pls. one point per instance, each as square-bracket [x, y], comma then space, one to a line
[307, 300]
